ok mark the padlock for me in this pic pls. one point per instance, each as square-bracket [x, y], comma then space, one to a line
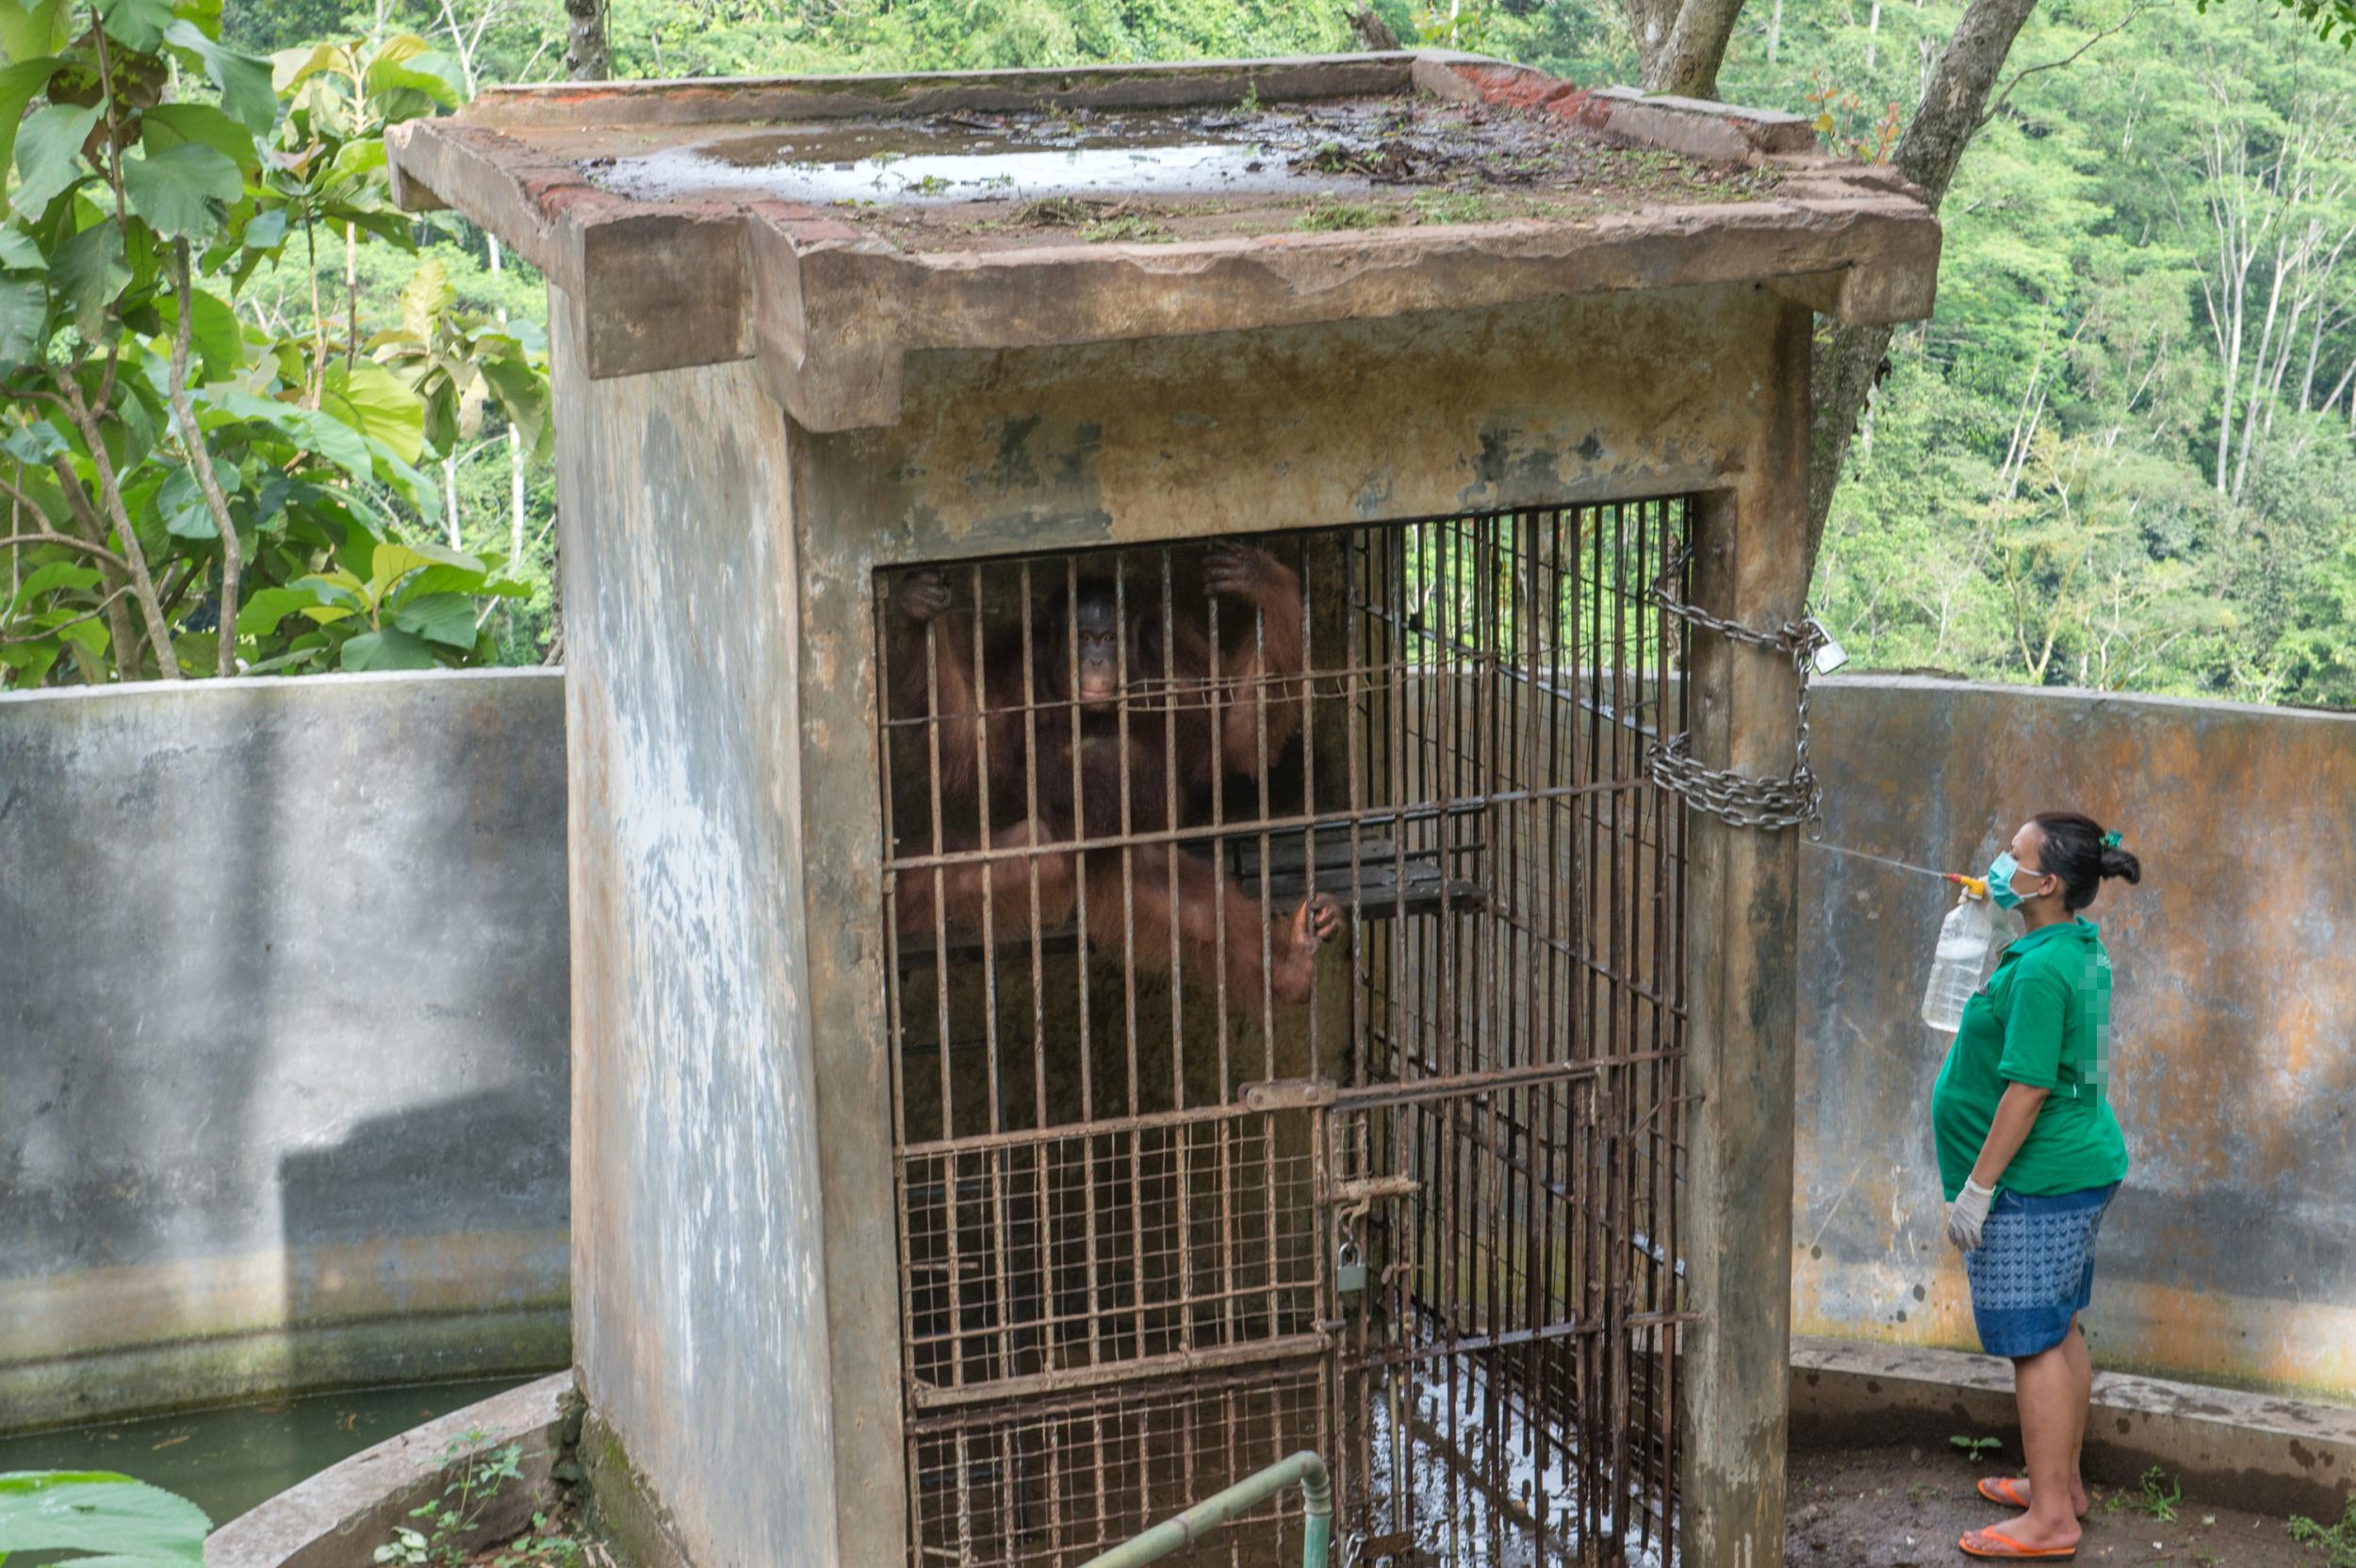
[1829, 655]
[1350, 1269]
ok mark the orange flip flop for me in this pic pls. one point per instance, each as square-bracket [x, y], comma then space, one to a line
[2006, 1489]
[1987, 1543]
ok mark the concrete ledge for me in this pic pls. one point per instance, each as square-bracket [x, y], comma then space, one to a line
[338, 1517]
[80, 1387]
[2259, 1451]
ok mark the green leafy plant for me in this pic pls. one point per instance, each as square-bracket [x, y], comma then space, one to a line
[1974, 1447]
[1133, 229]
[101, 1517]
[167, 462]
[1455, 207]
[444, 1534]
[2338, 1543]
[2155, 1497]
[1330, 212]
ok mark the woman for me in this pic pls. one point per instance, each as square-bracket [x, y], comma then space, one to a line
[2029, 1155]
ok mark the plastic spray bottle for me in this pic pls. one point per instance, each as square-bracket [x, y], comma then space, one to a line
[1962, 958]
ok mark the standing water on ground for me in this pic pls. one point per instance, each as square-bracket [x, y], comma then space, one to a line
[226, 1460]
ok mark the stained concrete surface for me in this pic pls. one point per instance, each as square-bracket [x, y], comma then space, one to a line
[2230, 1254]
[282, 1038]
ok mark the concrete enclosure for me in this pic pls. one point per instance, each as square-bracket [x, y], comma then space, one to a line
[769, 394]
[282, 1038]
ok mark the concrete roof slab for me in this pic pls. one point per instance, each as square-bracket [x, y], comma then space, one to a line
[832, 225]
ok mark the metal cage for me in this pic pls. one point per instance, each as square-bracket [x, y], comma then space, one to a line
[1289, 1047]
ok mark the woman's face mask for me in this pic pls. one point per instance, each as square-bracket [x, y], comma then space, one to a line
[2000, 875]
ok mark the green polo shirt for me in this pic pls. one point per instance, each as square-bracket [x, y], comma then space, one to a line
[2044, 1020]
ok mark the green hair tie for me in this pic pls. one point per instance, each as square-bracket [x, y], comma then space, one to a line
[2110, 840]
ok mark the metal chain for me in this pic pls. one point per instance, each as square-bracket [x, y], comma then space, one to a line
[1741, 799]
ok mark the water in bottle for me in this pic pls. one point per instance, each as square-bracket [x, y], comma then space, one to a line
[1960, 961]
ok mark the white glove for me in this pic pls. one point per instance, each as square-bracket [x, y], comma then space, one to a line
[1967, 1213]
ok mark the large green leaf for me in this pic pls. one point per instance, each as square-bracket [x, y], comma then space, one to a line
[377, 403]
[445, 618]
[19, 84]
[268, 231]
[23, 308]
[70, 575]
[137, 23]
[49, 155]
[19, 251]
[120, 1521]
[330, 437]
[424, 297]
[217, 336]
[395, 559]
[180, 501]
[30, 28]
[88, 270]
[182, 190]
[389, 649]
[169, 125]
[354, 163]
[291, 68]
[36, 442]
[265, 610]
[408, 63]
[244, 79]
[522, 390]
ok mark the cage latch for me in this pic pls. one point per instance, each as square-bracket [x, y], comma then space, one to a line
[1289, 1094]
[1361, 1191]
[1745, 800]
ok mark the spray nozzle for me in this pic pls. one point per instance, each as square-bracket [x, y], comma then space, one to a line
[1975, 886]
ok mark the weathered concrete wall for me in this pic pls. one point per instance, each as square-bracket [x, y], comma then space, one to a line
[283, 1079]
[2231, 1253]
[700, 1317]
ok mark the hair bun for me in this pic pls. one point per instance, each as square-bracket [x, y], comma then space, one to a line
[2121, 863]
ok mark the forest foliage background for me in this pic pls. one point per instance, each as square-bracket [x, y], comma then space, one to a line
[2122, 456]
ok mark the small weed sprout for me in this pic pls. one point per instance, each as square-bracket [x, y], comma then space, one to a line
[2155, 1497]
[439, 1539]
[2336, 1542]
[1327, 211]
[1455, 207]
[1974, 1447]
[1131, 229]
[1251, 100]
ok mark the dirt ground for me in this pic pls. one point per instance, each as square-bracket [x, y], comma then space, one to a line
[1902, 1506]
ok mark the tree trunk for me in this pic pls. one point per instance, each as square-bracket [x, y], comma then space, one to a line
[586, 57]
[514, 454]
[1691, 48]
[1849, 358]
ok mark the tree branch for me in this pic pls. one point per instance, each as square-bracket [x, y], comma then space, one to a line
[1998, 107]
[1849, 358]
[99, 551]
[134, 558]
[200, 459]
[87, 615]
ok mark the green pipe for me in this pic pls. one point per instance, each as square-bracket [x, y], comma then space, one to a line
[1185, 1530]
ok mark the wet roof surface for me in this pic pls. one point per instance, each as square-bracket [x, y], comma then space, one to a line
[982, 181]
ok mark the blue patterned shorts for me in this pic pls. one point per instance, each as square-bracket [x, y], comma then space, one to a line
[2033, 1269]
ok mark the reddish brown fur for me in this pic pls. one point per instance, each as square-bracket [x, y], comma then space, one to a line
[1122, 783]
